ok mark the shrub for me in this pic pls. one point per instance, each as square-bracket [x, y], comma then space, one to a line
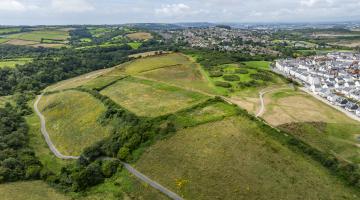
[231, 78]
[241, 71]
[223, 84]
[215, 74]
[123, 153]
[264, 76]
[109, 167]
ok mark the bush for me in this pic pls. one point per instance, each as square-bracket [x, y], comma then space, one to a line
[109, 167]
[241, 71]
[264, 76]
[123, 153]
[231, 78]
[215, 74]
[223, 84]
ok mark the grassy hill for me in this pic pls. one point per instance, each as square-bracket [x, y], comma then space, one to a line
[217, 152]
[73, 120]
[233, 158]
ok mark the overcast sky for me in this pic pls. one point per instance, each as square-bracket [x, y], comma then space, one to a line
[33, 12]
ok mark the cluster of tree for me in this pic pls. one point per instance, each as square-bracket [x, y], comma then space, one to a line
[64, 64]
[263, 76]
[223, 84]
[17, 159]
[13, 51]
[231, 77]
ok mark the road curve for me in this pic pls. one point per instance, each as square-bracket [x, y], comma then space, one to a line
[132, 170]
[46, 134]
[152, 183]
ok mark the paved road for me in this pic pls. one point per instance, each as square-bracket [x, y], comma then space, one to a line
[132, 170]
[46, 134]
[152, 183]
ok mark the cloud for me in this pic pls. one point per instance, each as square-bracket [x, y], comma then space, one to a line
[173, 9]
[73, 6]
[11, 5]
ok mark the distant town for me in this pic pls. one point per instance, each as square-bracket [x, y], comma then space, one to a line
[333, 77]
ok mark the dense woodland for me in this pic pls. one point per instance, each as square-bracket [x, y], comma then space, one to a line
[17, 159]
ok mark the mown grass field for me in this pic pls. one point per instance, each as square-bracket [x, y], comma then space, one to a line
[288, 106]
[147, 98]
[140, 36]
[72, 120]
[32, 190]
[3, 40]
[14, 62]
[234, 159]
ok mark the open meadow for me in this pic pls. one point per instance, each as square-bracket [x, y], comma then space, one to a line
[32, 190]
[14, 62]
[71, 124]
[234, 159]
[147, 98]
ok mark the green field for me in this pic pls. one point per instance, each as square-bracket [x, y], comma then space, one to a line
[33, 190]
[42, 151]
[155, 62]
[147, 98]
[135, 45]
[37, 36]
[340, 139]
[14, 62]
[185, 74]
[9, 30]
[122, 186]
[71, 123]
[3, 40]
[235, 159]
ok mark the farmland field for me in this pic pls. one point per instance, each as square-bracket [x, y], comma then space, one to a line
[238, 157]
[14, 62]
[71, 124]
[135, 45]
[147, 98]
[37, 36]
[140, 36]
[32, 190]
[9, 30]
